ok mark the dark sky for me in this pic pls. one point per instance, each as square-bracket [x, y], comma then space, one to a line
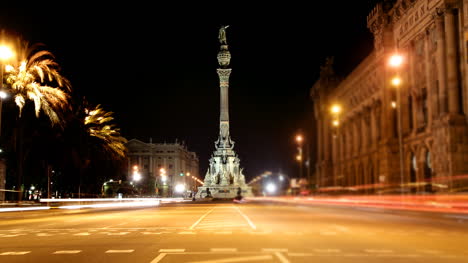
[154, 66]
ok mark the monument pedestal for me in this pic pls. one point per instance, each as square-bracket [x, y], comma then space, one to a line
[223, 192]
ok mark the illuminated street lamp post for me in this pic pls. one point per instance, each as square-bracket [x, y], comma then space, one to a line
[299, 157]
[396, 61]
[336, 111]
[5, 54]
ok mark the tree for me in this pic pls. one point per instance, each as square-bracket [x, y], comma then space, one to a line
[35, 77]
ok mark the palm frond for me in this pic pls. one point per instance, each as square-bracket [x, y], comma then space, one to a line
[98, 125]
[32, 79]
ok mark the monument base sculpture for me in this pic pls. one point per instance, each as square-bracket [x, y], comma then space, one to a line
[223, 192]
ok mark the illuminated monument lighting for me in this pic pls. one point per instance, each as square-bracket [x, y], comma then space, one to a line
[224, 176]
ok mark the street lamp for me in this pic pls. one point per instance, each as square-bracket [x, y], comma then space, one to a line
[299, 140]
[396, 61]
[5, 54]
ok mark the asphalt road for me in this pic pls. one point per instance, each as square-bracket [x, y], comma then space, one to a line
[227, 232]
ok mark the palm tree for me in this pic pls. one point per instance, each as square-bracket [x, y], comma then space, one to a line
[34, 76]
[98, 138]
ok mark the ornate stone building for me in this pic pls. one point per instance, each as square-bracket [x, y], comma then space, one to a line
[180, 164]
[359, 147]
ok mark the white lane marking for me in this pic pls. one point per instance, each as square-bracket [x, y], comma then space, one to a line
[172, 250]
[152, 233]
[158, 258]
[119, 251]
[15, 253]
[274, 250]
[378, 250]
[237, 259]
[223, 250]
[187, 233]
[246, 218]
[67, 252]
[200, 219]
[281, 257]
[327, 250]
[82, 234]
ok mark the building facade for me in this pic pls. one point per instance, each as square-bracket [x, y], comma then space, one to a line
[409, 137]
[180, 165]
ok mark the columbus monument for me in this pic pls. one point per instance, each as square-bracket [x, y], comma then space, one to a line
[224, 178]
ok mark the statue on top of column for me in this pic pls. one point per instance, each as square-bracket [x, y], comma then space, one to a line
[222, 35]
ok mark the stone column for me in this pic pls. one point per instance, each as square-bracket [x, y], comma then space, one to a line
[441, 63]
[452, 68]
[429, 83]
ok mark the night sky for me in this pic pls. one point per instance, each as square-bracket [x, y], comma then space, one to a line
[154, 66]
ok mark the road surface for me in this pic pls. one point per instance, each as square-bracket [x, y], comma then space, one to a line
[228, 232]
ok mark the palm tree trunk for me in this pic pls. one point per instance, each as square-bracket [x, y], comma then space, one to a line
[20, 159]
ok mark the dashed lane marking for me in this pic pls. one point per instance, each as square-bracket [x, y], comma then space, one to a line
[66, 252]
[171, 250]
[15, 253]
[119, 251]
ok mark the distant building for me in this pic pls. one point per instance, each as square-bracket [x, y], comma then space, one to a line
[358, 148]
[180, 165]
